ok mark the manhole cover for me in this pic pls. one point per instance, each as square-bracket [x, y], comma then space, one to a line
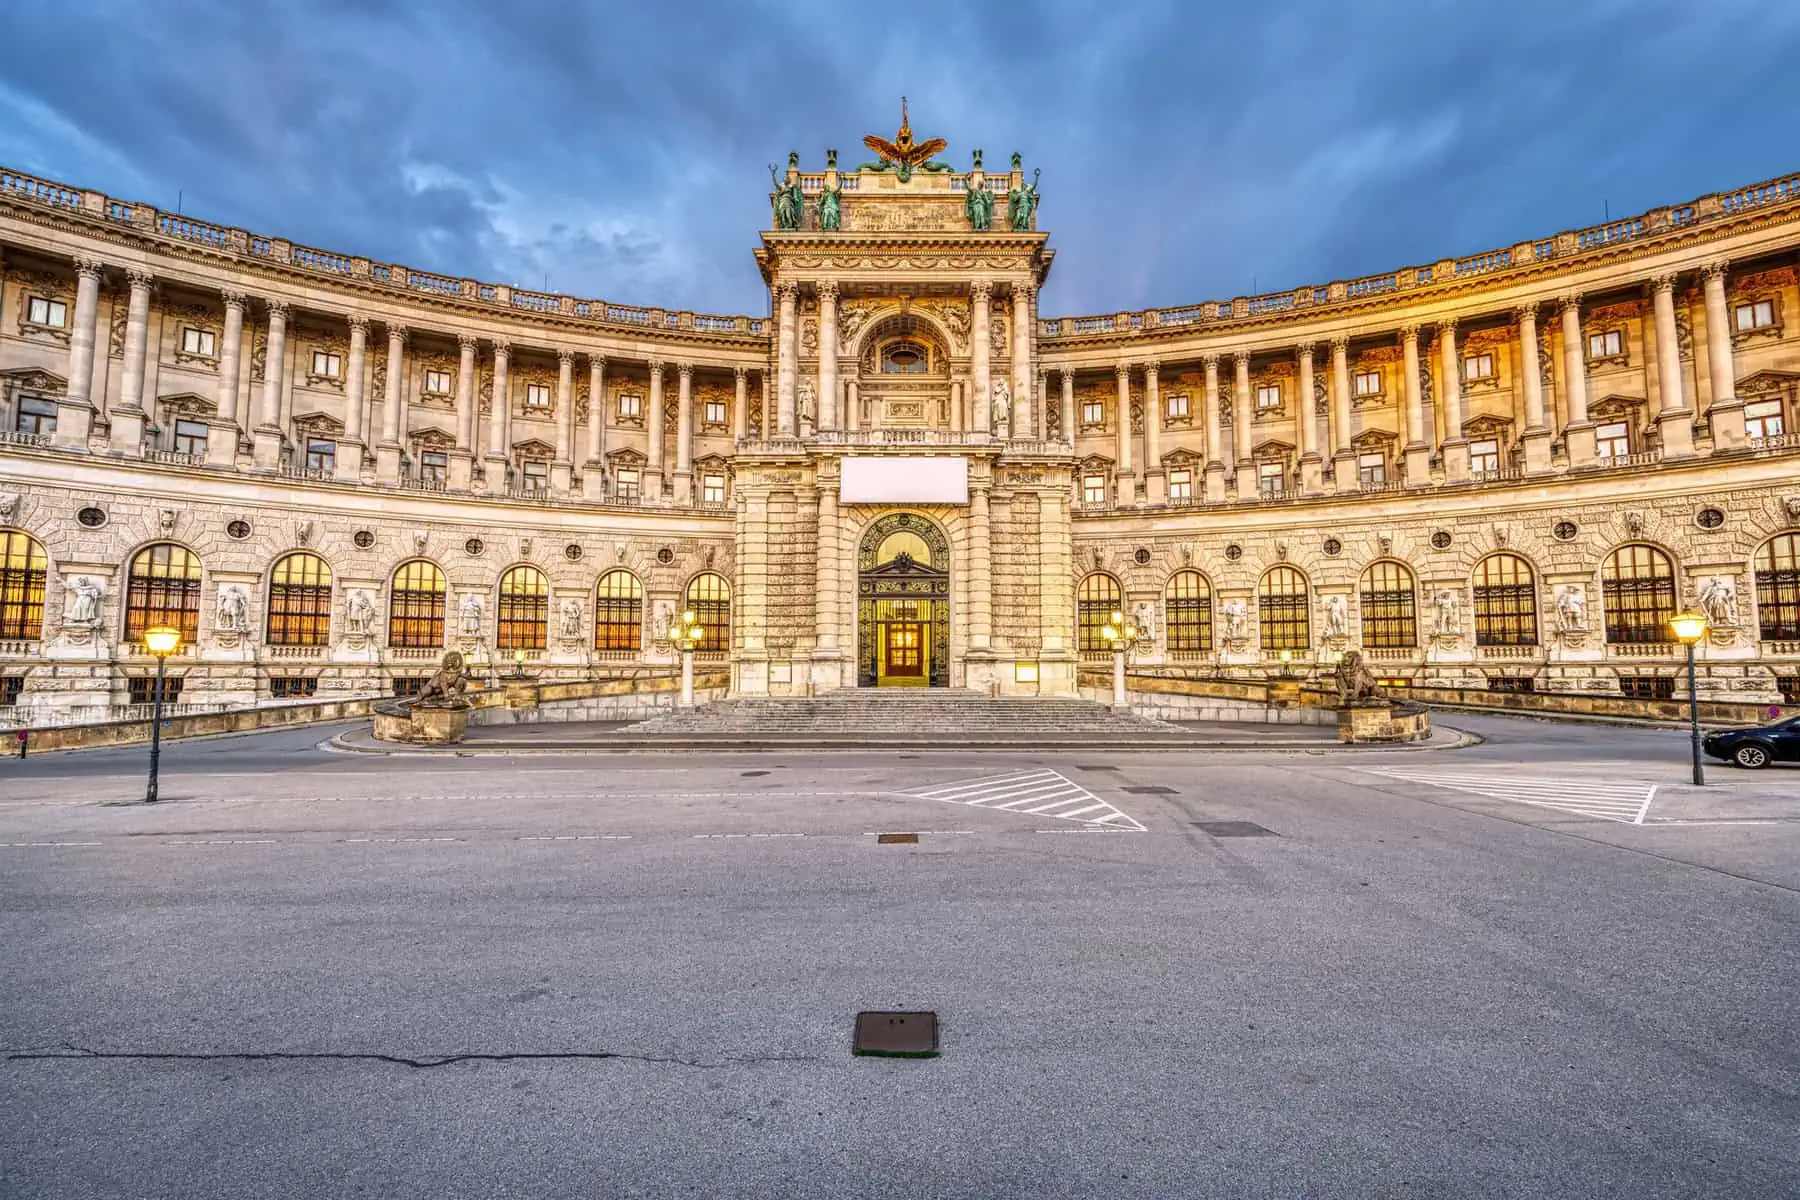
[1094, 767]
[1149, 789]
[896, 839]
[753, 774]
[896, 1034]
[1233, 829]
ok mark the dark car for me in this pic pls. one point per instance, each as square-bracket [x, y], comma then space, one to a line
[1758, 746]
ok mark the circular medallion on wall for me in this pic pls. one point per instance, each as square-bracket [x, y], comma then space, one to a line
[237, 530]
[1333, 547]
[1142, 557]
[1234, 552]
[1441, 540]
[571, 552]
[473, 547]
[1709, 518]
[92, 517]
[1564, 531]
[665, 556]
[363, 539]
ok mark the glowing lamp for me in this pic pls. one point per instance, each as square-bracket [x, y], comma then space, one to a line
[162, 641]
[1689, 627]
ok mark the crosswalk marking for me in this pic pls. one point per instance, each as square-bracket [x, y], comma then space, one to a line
[1624, 800]
[1035, 793]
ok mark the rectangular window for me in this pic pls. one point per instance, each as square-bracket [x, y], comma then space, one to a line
[408, 685]
[1368, 383]
[331, 365]
[1758, 314]
[1181, 484]
[1271, 479]
[1613, 440]
[1478, 366]
[40, 311]
[1178, 406]
[1268, 395]
[1511, 683]
[293, 687]
[1763, 419]
[433, 465]
[141, 689]
[1605, 345]
[190, 437]
[437, 383]
[36, 415]
[1093, 489]
[1093, 412]
[712, 489]
[1371, 468]
[197, 342]
[628, 483]
[534, 474]
[1648, 687]
[714, 412]
[631, 405]
[11, 688]
[321, 454]
[537, 395]
[1484, 456]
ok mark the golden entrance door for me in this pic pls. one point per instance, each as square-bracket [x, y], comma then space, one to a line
[904, 650]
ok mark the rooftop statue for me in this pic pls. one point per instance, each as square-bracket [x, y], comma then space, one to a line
[831, 213]
[789, 205]
[1021, 206]
[903, 156]
[978, 203]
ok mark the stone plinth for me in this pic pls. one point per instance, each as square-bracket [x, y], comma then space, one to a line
[1382, 721]
[437, 726]
[521, 693]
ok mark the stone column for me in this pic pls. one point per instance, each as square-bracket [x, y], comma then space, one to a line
[562, 467]
[1343, 455]
[1021, 361]
[653, 468]
[768, 414]
[1243, 414]
[1578, 434]
[852, 405]
[1726, 412]
[223, 434]
[787, 353]
[268, 434]
[1215, 437]
[593, 468]
[1054, 588]
[826, 574]
[393, 418]
[740, 403]
[128, 419]
[684, 434]
[981, 421]
[1455, 448]
[1125, 479]
[462, 459]
[828, 356]
[1537, 429]
[1674, 415]
[75, 411]
[1417, 452]
[1312, 469]
[356, 375]
[1068, 406]
[1155, 480]
[1040, 404]
[981, 603]
[499, 449]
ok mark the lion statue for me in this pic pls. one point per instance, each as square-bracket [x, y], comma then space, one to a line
[1355, 682]
[446, 688]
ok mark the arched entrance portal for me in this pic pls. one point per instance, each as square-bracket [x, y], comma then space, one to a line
[903, 603]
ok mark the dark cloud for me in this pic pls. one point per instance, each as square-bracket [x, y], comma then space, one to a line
[1189, 151]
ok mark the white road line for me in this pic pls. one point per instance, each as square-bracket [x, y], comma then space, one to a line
[1060, 804]
[1624, 801]
[22, 845]
[1047, 793]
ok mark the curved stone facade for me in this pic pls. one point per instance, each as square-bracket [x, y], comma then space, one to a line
[1502, 470]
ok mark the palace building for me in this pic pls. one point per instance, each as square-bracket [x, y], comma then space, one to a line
[1505, 470]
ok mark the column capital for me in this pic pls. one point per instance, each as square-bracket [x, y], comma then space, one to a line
[234, 299]
[87, 266]
[397, 333]
[1023, 291]
[1306, 353]
[139, 278]
[278, 310]
[1410, 333]
[981, 289]
[468, 342]
[1714, 269]
[1240, 359]
[827, 290]
[502, 348]
[565, 357]
[1122, 370]
[786, 290]
[1569, 301]
[1043, 372]
[1151, 367]
[1525, 312]
[1340, 343]
[654, 366]
[740, 372]
[686, 369]
[358, 323]
[1210, 360]
[1663, 284]
[1446, 328]
[596, 360]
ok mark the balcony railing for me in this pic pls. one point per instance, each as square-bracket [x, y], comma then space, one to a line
[180, 458]
[1643, 649]
[1510, 651]
[13, 437]
[1643, 458]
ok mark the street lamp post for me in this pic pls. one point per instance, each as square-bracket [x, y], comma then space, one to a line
[1690, 627]
[518, 664]
[1123, 635]
[161, 641]
[686, 634]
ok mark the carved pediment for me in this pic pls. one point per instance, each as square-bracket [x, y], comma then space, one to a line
[1616, 406]
[714, 463]
[319, 424]
[1096, 462]
[1764, 382]
[1180, 458]
[36, 379]
[433, 439]
[189, 404]
[1374, 439]
[626, 457]
[1487, 425]
[533, 448]
[1273, 448]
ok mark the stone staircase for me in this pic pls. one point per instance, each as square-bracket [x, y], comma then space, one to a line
[910, 715]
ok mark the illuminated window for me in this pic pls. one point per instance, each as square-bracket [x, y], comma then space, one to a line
[23, 570]
[1178, 406]
[1608, 344]
[163, 588]
[714, 412]
[631, 405]
[537, 395]
[1281, 610]
[619, 612]
[331, 365]
[197, 342]
[416, 606]
[1505, 602]
[1096, 600]
[1268, 395]
[1758, 314]
[1777, 589]
[1093, 412]
[1187, 601]
[300, 601]
[1368, 383]
[41, 311]
[1638, 586]
[709, 597]
[1478, 366]
[524, 610]
[1389, 615]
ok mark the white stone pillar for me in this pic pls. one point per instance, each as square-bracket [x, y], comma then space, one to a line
[593, 468]
[75, 412]
[826, 576]
[1068, 406]
[1215, 438]
[740, 403]
[499, 449]
[462, 459]
[1126, 490]
[1455, 448]
[787, 355]
[1578, 434]
[268, 434]
[981, 605]
[828, 356]
[1243, 414]
[128, 419]
[1417, 451]
[653, 468]
[393, 417]
[562, 467]
[1342, 454]
[1537, 433]
[1673, 413]
[981, 421]
[1154, 480]
[1312, 470]
[684, 434]
[852, 405]
[356, 374]
[1020, 421]
[1726, 412]
[223, 435]
[1040, 404]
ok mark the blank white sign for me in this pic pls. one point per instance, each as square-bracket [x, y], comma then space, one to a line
[904, 481]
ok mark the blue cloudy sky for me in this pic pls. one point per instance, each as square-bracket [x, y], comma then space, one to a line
[1190, 150]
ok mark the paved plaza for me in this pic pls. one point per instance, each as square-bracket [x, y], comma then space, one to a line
[1544, 965]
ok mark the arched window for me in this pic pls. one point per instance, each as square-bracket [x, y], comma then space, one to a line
[619, 613]
[1778, 589]
[23, 569]
[905, 358]
[300, 601]
[1389, 612]
[1281, 610]
[1637, 584]
[416, 606]
[1187, 603]
[903, 541]
[524, 610]
[163, 588]
[709, 596]
[1096, 600]
[1505, 602]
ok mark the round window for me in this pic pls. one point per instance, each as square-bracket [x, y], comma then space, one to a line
[1333, 547]
[473, 546]
[571, 552]
[1709, 518]
[237, 530]
[1234, 552]
[92, 517]
[1564, 531]
[363, 539]
[1142, 557]
[1441, 540]
[665, 556]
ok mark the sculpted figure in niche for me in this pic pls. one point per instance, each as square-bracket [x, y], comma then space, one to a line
[233, 611]
[571, 618]
[1355, 682]
[1718, 600]
[81, 601]
[1571, 609]
[806, 405]
[468, 615]
[1145, 619]
[448, 687]
[1337, 616]
[359, 614]
[1236, 618]
[1002, 408]
[1447, 608]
